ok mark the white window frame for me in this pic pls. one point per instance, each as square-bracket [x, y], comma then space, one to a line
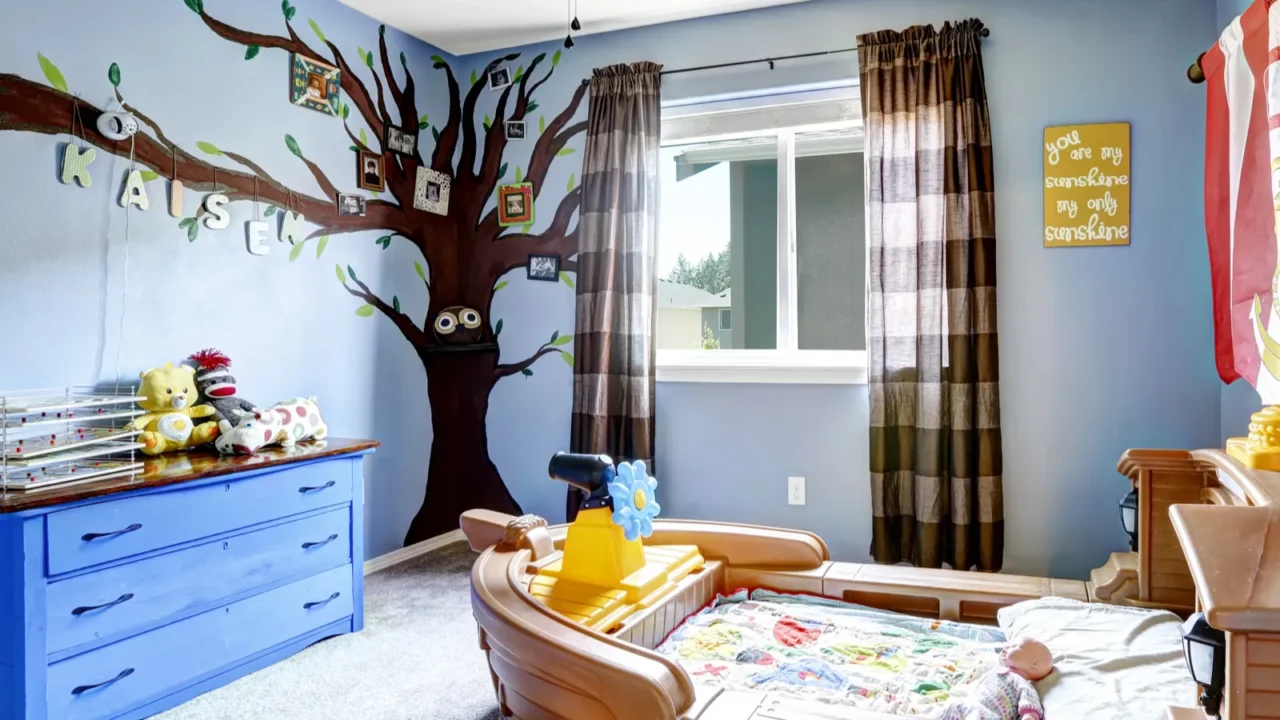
[783, 115]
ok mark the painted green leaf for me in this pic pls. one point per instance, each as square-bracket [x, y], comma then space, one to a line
[404, 61]
[384, 241]
[354, 148]
[473, 77]
[367, 55]
[316, 28]
[364, 138]
[342, 278]
[497, 328]
[533, 105]
[53, 74]
[519, 74]
[149, 175]
[565, 151]
[422, 124]
[187, 222]
[352, 273]
[271, 210]
[197, 6]
[564, 278]
[292, 145]
[208, 147]
[542, 124]
[437, 59]
[554, 334]
[502, 172]
[526, 228]
[567, 357]
[346, 111]
[284, 8]
[423, 119]
[251, 52]
[365, 310]
[296, 251]
[573, 180]
[375, 194]
[555, 59]
[488, 122]
[435, 134]
[559, 340]
[192, 231]
[527, 372]
[113, 74]
[519, 173]
[382, 30]
[289, 11]
[321, 245]
[500, 285]
[417, 266]
[395, 302]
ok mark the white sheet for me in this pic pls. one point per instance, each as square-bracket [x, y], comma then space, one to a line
[1111, 663]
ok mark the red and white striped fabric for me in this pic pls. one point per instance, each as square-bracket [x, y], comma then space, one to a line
[1242, 144]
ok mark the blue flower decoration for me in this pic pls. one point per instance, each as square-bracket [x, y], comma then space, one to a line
[635, 500]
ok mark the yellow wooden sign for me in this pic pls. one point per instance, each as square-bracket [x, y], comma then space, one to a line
[1086, 185]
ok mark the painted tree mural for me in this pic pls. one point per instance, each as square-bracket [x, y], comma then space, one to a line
[464, 254]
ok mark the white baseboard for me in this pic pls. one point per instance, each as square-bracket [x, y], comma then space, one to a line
[404, 554]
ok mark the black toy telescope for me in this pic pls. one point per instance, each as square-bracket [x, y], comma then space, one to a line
[589, 473]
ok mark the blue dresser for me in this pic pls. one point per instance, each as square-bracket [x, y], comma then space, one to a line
[122, 599]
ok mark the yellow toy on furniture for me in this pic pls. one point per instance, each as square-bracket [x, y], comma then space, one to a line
[170, 425]
[606, 573]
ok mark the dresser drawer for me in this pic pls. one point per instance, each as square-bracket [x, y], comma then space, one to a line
[93, 534]
[120, 600]
[112, 679]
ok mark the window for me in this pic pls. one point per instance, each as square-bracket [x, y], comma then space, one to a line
[761, 240]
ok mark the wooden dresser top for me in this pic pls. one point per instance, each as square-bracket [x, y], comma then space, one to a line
[174, 468]
[1234, 556]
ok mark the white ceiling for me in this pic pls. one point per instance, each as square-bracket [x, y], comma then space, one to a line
[462, 27]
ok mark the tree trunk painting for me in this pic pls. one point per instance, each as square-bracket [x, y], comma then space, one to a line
[464, 253]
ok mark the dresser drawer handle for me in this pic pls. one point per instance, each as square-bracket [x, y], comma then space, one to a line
[326, 541]
[90, 608]
[86, 688]
[331, 598]
[89, 537]
[312, 488]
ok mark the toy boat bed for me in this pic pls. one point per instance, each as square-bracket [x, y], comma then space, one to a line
[551, 661]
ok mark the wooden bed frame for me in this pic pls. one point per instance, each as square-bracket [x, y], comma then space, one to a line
[547, 667]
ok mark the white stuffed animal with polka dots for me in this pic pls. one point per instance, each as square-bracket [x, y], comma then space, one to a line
[286, 423]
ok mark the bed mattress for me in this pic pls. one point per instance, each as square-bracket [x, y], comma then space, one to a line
[828, 651]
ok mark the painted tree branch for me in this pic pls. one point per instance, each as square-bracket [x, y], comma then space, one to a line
[323, 180]
[502, 371]
[255, 167]
[411, 331]
[442, 158]
[354, 140]
[155, 127]
[351, 85]
[467, 162]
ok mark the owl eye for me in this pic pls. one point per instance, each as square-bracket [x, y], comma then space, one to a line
[446, 323]
[469, 318]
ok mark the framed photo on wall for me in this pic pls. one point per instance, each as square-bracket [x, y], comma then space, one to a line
[369, 170]
[515, 204]
[431, 191]
[315, 85]
[543, 267]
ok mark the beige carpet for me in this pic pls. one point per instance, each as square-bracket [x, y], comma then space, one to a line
[417, 658]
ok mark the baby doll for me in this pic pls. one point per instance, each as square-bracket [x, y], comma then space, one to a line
[1009, 693]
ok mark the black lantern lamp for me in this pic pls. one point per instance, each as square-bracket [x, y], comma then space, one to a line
[1129, 517]
[1205, 649]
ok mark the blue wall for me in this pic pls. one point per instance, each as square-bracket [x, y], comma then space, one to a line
[289, 327]
[1102, 349]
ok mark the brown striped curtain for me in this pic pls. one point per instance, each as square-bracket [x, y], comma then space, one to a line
[613, 368]
[936, 486]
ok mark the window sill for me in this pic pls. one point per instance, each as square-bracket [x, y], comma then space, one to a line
[806, 367]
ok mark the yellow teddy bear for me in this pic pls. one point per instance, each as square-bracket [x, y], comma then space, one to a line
[170, 396]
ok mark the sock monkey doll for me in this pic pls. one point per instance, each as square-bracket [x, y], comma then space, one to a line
[218, 386]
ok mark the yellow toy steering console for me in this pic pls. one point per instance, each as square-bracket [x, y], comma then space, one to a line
[606, 573]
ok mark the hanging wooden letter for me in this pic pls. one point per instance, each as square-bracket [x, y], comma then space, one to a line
[134, 192]
[75, 165]
[175, 198]
[217, 218]
[256, 237]
[291, 228]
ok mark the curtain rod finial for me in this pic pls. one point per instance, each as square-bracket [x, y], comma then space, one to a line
[1195, 73]
[986, 32]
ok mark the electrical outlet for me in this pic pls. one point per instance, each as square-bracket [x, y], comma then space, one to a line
[795, 491]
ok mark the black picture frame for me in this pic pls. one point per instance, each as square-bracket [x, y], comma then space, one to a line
[515, 129]
[351, 204]
[400, 142]
[543, 267]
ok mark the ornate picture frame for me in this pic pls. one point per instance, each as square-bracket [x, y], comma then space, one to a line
[315, 85]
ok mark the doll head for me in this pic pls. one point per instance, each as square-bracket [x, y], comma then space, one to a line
[1027, 657]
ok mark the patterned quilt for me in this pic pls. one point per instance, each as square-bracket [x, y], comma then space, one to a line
[818, 649]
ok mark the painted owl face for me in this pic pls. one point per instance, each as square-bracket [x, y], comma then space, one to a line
[458, 325]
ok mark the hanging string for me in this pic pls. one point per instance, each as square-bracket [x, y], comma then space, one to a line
[76, 119]
[256, 216]
[124, 292]
[175, 164]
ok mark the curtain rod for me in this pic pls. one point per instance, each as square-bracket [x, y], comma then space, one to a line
[1195, 73]
[771, 60]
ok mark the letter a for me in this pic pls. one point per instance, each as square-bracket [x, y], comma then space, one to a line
[134, 193]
